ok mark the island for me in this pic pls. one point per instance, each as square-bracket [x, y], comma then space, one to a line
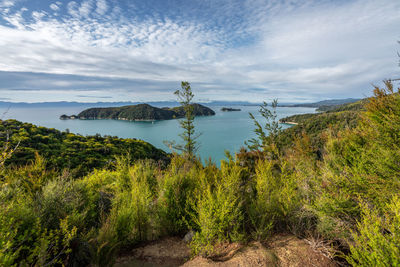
[230, 109]
[140, 112]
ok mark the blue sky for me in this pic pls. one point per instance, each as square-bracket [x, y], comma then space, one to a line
[254, 50]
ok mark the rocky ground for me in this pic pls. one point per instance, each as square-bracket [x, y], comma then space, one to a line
[281, 250]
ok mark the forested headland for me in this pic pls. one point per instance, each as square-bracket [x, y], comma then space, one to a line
[140, 112]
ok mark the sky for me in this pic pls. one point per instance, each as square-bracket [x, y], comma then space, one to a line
[238, 50]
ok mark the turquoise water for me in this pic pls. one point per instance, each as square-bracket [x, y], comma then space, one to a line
[224, 131]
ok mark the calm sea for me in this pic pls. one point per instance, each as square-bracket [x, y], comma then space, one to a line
[224, 131]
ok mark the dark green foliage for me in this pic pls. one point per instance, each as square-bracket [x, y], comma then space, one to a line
[317, 126]
[356, 106]
[185, 96]
[198, 110]
[140, 112]
[135, 112]
[64, 150]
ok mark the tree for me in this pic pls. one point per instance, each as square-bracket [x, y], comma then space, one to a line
[185, 97]
[267, 136]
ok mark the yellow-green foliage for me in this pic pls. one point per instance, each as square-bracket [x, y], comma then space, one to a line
[132, 209]
[277, 198]
[48, 218]
[361, 164]
[377, 240]
[219, 215]
[25, 242]
[176, 190]
[31, 178]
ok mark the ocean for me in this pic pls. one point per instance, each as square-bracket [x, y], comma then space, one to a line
[226, 131]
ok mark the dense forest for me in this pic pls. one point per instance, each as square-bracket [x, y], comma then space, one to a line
[334, 176]
[139, 112]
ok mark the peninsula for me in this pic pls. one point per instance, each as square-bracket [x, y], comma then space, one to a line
[140, 112]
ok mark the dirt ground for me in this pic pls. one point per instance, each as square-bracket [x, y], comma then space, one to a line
[281, 250]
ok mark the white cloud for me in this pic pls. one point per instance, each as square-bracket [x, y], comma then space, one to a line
[7, 3]
[101, 7]
[312, 48]
[38, 15]
[86, 8]
[72, 8]
[54, 7]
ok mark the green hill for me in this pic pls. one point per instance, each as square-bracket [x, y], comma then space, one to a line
[63, 150]
[141, 112]
[325, 103]
[336, 117]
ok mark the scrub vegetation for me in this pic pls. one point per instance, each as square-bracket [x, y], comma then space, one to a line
[338, 182]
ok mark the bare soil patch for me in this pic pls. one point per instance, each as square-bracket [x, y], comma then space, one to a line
[281, 250]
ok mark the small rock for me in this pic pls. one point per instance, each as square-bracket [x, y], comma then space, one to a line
[189, 236]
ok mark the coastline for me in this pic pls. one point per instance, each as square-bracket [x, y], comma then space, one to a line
[290, 122]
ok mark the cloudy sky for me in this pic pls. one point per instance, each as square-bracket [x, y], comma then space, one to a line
[135, 50]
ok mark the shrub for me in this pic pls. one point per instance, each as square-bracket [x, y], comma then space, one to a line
[277, 198]
[219, 211]
[62, 198]
[130, 219]
[361, 164]
[377, 240]
[176, 191]
[24, 240]
[31, 178]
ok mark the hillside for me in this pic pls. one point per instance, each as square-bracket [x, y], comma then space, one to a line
[325, 103]
[355, 106]
[338, 117]
[140, 112]
[329, 196]
[64, 150]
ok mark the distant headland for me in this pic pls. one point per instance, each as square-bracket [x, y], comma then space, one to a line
[230, 109]
[140, 112]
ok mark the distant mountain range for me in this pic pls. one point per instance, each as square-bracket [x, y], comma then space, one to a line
[332, 102]
[119, 104]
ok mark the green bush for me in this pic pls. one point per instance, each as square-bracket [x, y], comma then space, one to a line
[377, 240]
[361, 164]
[176, 192]
[277, 198]
[25, 242]
[219, 216]
[62, 198]
[131, 218]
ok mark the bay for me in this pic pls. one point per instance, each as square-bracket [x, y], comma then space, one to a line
[224, 131]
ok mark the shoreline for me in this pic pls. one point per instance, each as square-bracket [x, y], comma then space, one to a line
[290, 122]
